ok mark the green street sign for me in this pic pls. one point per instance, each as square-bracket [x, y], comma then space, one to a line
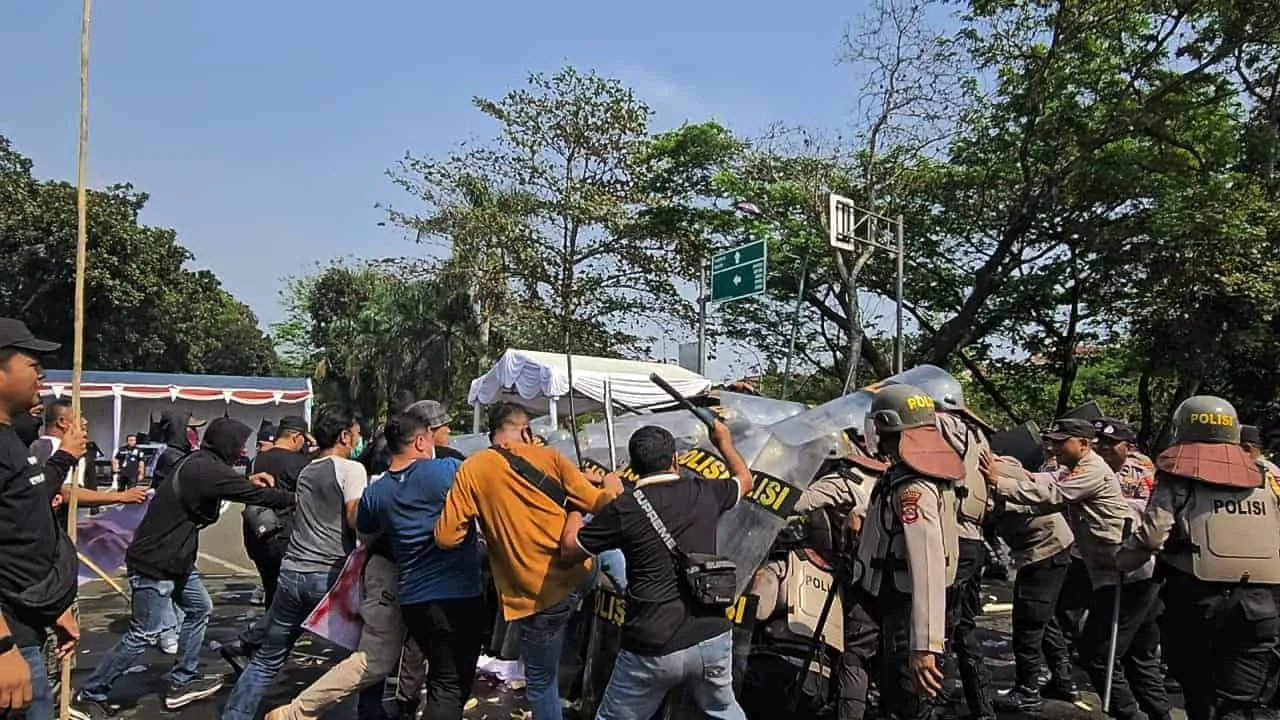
[739, 272]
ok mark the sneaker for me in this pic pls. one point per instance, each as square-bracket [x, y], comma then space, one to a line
[84, 708]
[1020, 699]
[259, 597]
[180, 696]
[169, 645]
[1059, 689]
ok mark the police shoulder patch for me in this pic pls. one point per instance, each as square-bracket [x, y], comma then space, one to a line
[909, 506]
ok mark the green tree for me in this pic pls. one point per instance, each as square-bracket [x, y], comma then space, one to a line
[144, 310]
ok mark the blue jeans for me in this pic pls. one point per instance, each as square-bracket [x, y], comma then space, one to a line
[640, 682]
[541, 642]
[41, 706]
[152, 609]
[297, 595]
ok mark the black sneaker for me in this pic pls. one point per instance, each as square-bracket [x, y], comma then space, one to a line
[1059, 689]
[180, 696]
[1020, 699]
[83, 708]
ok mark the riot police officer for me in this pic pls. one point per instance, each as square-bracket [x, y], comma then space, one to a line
[908, 549]
[1089, 493]
[1219, 527]
[1251, 441]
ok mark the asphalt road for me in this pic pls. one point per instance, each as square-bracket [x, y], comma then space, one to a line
[231, 580]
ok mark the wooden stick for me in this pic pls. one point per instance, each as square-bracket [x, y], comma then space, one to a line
[77, 357]
[103, 574]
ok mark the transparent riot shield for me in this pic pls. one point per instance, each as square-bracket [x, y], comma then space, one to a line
[470, 443]
[757, 410]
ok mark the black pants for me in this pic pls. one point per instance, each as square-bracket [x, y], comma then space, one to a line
[1221, 645]
[861, 642]
[964, 604]
[1140, 686]
[266, 556]
[1037, 639]
[890, 615]
[448, 631]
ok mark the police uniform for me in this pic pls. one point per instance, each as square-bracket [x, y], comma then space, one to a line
[1096, 509]
[1216, 527]
[1040, 548]
[908, 550]
[964, 597]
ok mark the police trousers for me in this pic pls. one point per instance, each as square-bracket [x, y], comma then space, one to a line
[1037, 639]
[964, 604]
[1138, 684]
[890, 615]
[1221, 644]
[861, 643]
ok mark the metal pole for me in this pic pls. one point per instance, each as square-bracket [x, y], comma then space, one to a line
[795, 322]
[702, 319]
[897, 343]
[608, 424]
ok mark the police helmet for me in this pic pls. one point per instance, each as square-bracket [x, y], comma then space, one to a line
[901, 407]
[1206, 419]
[946, 391]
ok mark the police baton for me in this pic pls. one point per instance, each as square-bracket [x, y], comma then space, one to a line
[706, 416]
[1115, 624]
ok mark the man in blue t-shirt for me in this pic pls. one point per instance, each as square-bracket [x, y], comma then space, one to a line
[440, 590]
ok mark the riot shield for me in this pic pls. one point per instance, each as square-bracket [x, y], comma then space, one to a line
[756, 410]
[1022, 442]
[470, 443]
[1088, 411]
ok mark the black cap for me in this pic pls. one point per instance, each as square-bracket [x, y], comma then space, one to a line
[291, 423]
[1065, 428]
[1251, 434]
[1113, 429]
[14, 334]
[267, 433]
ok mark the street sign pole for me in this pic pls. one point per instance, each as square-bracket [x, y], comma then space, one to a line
[703, 269]
[850, 225]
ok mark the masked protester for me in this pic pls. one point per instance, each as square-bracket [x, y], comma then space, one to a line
[174, 426]
[1216, 527]
[161, 563]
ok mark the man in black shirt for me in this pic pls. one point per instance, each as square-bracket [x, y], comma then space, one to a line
[267, 532]
[667, 640]
[161, 564]
[127, 466]
[38, 565]
[174, 426]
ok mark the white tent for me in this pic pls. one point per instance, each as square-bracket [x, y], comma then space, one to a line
[540, 382]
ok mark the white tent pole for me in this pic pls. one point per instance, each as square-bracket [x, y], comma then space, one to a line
[608, 423]
[475, 418]
[117, 413]
[551, 408]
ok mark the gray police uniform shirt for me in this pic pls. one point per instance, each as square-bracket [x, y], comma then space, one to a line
[1090, 496]
[321, 538]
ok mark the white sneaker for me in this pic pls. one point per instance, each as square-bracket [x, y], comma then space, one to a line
[169, 645]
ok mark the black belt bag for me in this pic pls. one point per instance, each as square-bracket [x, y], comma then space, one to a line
[712, 581]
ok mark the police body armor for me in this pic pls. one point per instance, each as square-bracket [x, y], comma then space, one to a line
[971, 492]
[882, 547]
[1231, 534]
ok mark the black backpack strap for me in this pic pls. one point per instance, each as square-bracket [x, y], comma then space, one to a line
[535, 477]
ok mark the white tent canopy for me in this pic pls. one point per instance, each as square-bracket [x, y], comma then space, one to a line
[540, 382]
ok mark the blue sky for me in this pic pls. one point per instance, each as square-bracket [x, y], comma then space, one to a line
[262, 130]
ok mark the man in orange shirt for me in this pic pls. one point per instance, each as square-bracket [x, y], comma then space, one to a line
[522, 516]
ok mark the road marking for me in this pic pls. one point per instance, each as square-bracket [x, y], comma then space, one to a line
[230, 566]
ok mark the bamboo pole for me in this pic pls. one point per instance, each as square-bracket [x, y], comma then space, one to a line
[102, 574]
[77, 358]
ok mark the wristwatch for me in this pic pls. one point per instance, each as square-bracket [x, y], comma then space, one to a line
[7, 644]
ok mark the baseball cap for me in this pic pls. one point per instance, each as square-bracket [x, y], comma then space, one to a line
[1113, 429]
[1065, 428]
[291, 423]
[267, 433]
[430, 412]
[1250, 434]
[14, 334]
